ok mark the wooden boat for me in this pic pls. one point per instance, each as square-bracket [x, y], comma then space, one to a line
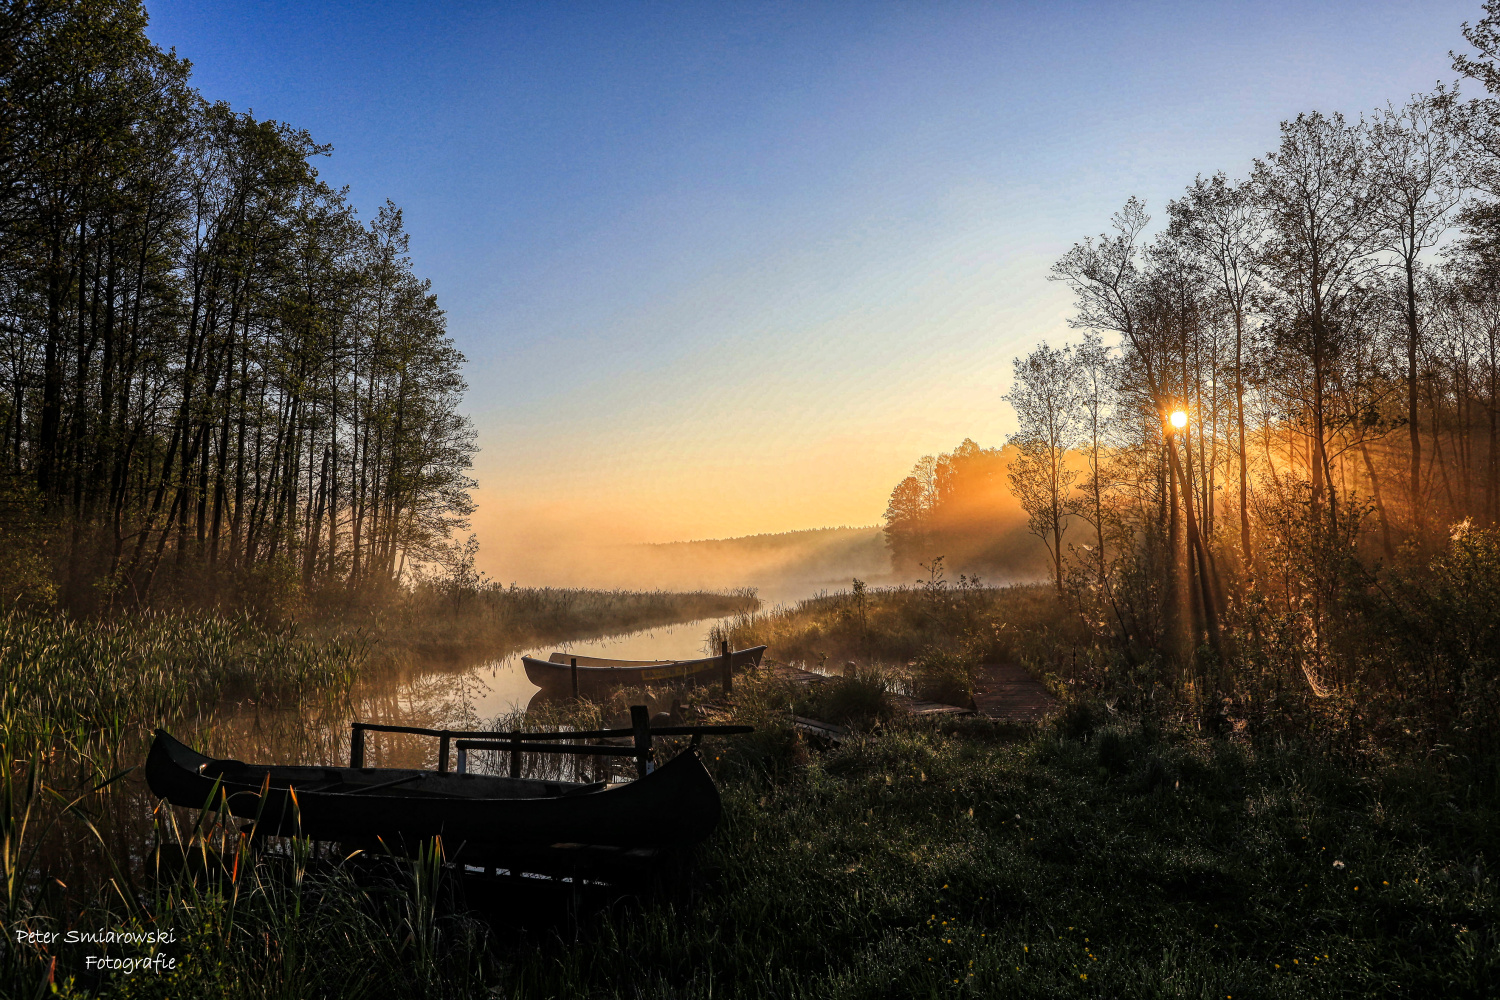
[597, 674]
[481, 818]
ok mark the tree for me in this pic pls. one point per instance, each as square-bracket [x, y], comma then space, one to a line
[1045, 395]
[1414, 166]
[1224, 228]
[1321, 199]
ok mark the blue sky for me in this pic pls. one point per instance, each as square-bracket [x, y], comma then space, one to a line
[723, 268]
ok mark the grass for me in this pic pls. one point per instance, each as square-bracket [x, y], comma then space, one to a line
[927, 640]
[429, 621]
[1103, 854]
[88, 687]
[1134, 860]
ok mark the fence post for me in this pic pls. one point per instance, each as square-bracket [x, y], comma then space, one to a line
[463, 760]
[640, 722]
[515, 757]
[728, 666]
[575, 677]
[443, 754]
[357, 746]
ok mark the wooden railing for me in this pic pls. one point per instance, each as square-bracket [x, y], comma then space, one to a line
[641, 733]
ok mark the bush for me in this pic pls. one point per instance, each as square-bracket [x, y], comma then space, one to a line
[860, 698]
[940, 675]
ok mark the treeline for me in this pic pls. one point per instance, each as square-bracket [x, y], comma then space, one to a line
[215, 378]
[1275, 451]
[959, 505]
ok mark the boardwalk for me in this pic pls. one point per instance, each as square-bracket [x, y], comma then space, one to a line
[908, 704]
[1006, 691]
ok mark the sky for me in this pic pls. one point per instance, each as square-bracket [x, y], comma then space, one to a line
[725, 268]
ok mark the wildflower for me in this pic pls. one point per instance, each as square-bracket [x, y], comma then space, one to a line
[1338, 864]
[1083, 975]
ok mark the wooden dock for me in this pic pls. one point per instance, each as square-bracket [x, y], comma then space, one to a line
[913, 706]
[1007, 692]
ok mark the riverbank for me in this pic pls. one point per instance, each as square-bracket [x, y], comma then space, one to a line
[1105, 852]
[427, 621]
[1120, 858]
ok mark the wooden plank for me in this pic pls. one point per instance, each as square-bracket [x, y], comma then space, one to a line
[1006, 691]
[916, 706]
[827, 730]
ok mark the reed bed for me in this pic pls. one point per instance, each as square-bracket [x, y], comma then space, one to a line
[435, 620]
[93, 685]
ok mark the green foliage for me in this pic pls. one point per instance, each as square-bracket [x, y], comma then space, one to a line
[943, 675]
[860, 698]
[96, 684]
[947, 862]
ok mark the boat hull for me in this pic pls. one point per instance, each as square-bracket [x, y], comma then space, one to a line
[479, 817]
[597, 675]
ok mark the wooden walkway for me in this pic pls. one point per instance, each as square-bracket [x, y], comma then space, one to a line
[913, 706]
[1006, 691]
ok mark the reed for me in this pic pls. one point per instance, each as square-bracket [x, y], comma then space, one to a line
[93, 685]
[430, 619]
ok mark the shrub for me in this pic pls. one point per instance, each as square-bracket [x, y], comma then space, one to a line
[940, 675]
[860, 698]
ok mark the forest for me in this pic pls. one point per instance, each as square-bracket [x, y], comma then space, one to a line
[219, 384]
[1273, 455]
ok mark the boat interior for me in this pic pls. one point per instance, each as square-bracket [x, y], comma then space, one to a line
[379, 782]
[602, 661]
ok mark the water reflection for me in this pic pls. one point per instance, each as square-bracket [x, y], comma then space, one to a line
[480, 693]
[488, 693]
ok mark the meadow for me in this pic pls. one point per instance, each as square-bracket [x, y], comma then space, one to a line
[1103, 853]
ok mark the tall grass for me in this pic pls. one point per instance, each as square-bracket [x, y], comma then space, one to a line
[928, 639]
[431, 619]
[91, 684]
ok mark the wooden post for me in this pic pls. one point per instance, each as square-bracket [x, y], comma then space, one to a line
[463, 760]
[515, 758]
[728, 666]
[443, 754]
[357, 746]
[575, 677]
[640, 722]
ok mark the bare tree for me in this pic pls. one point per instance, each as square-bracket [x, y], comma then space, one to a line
[1414, 165]
[1046, 398]
[1224, 228]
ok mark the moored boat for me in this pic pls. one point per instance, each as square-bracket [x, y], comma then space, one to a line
[481, 818]
[597, 674]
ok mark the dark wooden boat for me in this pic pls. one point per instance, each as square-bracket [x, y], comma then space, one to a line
[597, 674]
[481, 818]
